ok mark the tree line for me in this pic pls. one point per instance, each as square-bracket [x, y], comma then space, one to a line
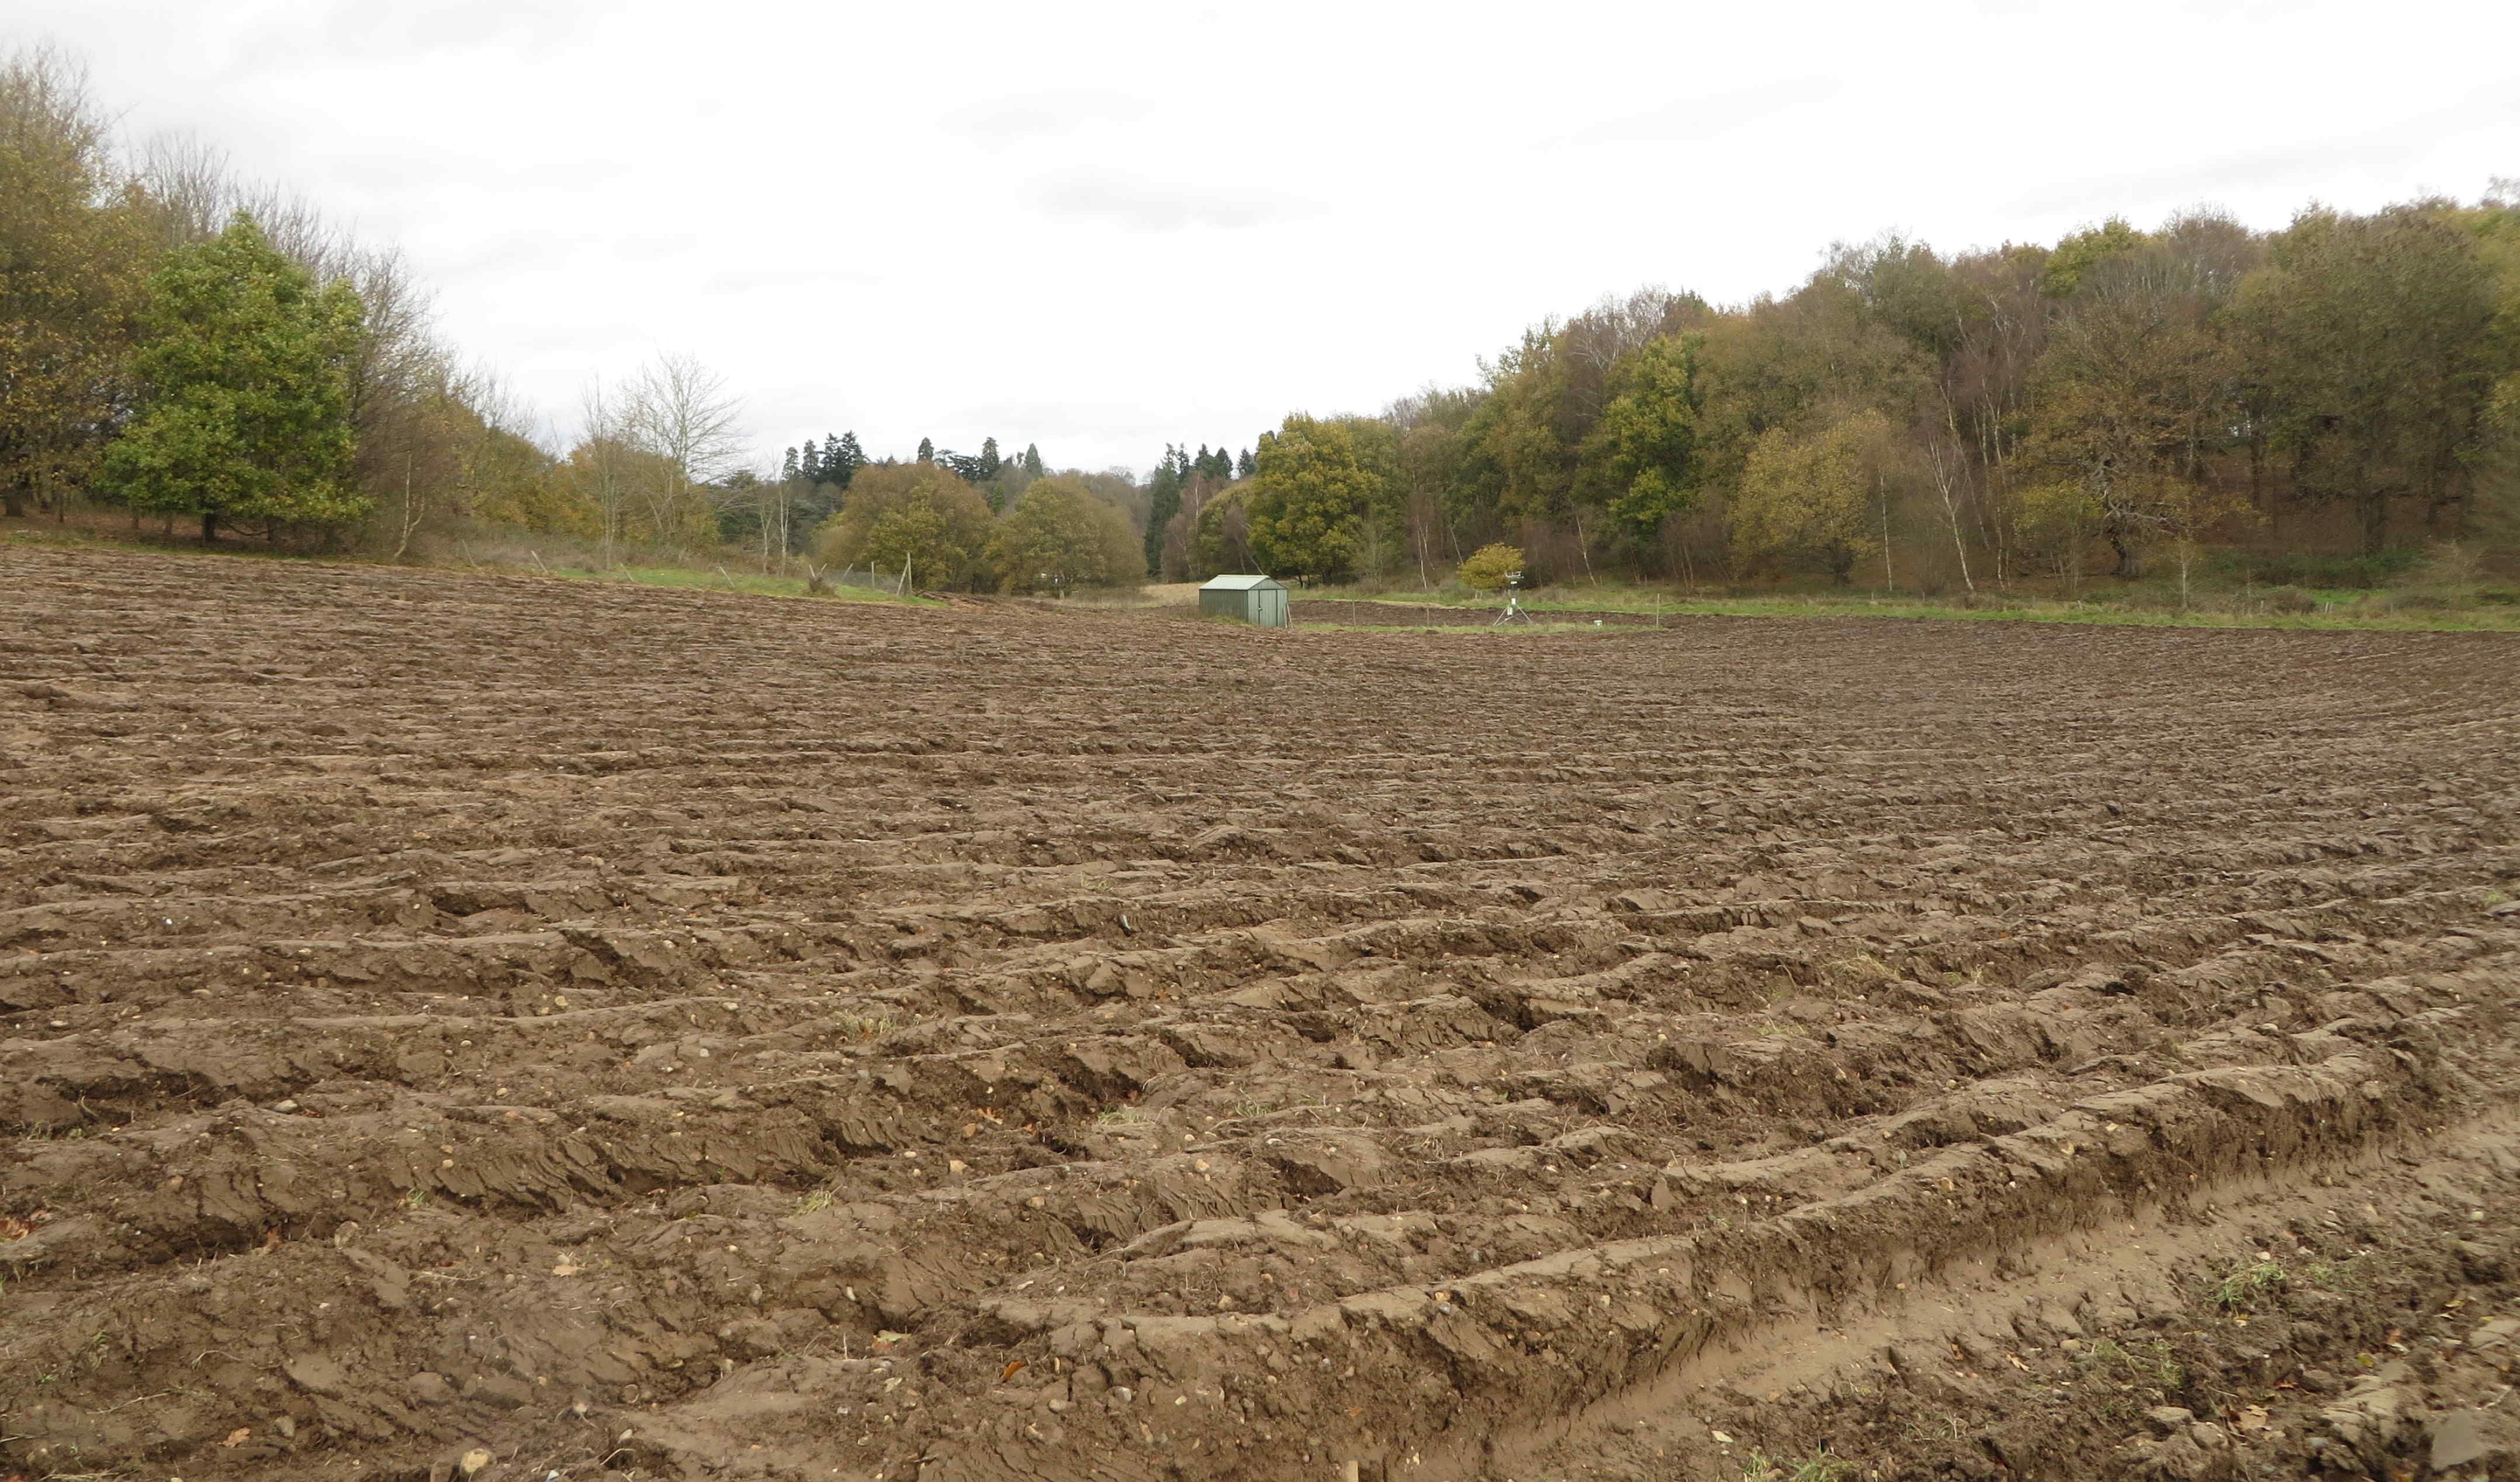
[180, 342]
[176, 341]
[2347, 384]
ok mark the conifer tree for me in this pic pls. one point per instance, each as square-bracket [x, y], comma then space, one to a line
[1163, 502]
[926, 450]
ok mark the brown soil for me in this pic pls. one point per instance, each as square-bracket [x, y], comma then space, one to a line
[528, 1029]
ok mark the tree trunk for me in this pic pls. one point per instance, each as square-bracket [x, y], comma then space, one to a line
[2374, 510]
[2122, 541]
[210, 527]
[13, 500]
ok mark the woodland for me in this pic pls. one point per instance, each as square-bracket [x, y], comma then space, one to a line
[2333, 401]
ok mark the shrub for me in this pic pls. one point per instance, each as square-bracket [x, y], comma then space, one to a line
[2305, 568]
[1491, 566]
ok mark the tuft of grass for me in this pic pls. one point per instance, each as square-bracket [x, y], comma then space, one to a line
[1819, 1466]
[2151, 1365]
[2250, 1287]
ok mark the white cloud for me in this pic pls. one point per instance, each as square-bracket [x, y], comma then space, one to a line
[1147, 206]
[1035, 116]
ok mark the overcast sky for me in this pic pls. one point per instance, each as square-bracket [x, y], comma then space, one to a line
[1104, 227]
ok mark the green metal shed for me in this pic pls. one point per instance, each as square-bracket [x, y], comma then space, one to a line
[1246, 598]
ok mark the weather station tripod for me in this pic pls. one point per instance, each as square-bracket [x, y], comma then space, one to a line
[1512, 602]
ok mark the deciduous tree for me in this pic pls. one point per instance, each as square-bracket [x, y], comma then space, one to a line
[1310, 492]
[1647, 435]
[2377, 336]
[917, 512]
[76, 242]
[682, 411]
[246, 408]
[1814, 495]
[1060, 535]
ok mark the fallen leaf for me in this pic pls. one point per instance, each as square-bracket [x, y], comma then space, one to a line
[15, 1230]
[1720, 1439]
[2015, 1360]
[566, 1269]
[237, 1437]
[1013, 1367]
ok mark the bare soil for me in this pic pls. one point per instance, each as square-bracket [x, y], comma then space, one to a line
[457, 1025]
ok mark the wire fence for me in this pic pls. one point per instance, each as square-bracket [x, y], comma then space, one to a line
[895, 583]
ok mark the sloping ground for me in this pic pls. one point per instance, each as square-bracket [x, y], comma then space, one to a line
[457, 1025]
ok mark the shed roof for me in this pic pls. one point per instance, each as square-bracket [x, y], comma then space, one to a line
[1240, 584]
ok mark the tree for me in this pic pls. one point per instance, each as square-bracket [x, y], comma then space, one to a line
[1217, 465]
[681, 412]
[2057, 523]
[842, 460]
[246, 408]
[1647, 435]
[1244, 465]
[2079, 252]
[2376, 337]
[1429, 457]
[75, 246]
[1491, 567]
[2133, 389]
[1062, 535]
[1812, 495]
[510, 480]
[927, 451]
[916, 512]
[1220, 540]
[1786, 361]
[603, 465]
[1032, 461]
[1163, 502]
[1310, 492]
[990, 462]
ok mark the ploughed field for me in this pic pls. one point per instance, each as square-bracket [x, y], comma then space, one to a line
[455, 1025]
